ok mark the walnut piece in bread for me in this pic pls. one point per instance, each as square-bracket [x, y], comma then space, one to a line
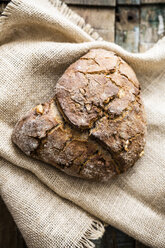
[95, 126]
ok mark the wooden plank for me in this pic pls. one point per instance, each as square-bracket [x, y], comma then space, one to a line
[91, 2]
[152, 26]
[125, 2]
[114, 238]
[152, 1]
[127, 28]
[9, 233]
[101, 19]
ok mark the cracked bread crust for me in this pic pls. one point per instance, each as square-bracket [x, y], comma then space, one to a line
[95, 126]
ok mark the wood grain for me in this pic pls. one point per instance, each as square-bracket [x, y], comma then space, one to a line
[114, 238]
[127, 28]
[101, 19]
[152, 1]
[125, 2]
[92, 2]
[152, 26]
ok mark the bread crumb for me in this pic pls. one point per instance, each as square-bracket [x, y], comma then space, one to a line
[121, 93]
[39, 109]
[126, 146]
[141, 154]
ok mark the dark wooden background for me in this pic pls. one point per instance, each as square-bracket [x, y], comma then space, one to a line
[136, 25]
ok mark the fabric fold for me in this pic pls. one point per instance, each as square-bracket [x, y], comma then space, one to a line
[38, 41]
[45, 219]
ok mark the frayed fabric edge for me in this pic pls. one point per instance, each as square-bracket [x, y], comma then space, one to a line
[76, 19]
[8, 10]
[95, 231]
[63, 9]
[5, 16]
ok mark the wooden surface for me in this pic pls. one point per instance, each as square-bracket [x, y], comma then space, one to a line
[103, 24]
[152, 1]
[127, 28]
[152, 26]
[135, 27]
[92, 2]
[130, 2]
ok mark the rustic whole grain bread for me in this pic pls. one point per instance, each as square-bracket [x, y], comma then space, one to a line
[95, 126]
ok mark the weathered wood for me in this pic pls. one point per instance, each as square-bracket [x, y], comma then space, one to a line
[10, 237]
[114, 238]
[101, 19]
[127, 28]
[92, 2]
[152, 1]
[125, 2]
[152, 26]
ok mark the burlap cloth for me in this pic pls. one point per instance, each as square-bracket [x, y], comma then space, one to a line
[39, 39]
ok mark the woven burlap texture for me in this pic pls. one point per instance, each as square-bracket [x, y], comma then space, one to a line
[38, 41]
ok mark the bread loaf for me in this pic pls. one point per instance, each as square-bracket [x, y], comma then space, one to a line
[95, 125]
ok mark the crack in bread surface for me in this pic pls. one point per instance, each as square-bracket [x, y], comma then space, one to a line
[95, 124]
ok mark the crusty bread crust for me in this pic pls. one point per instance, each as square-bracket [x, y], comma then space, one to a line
[95, 126]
